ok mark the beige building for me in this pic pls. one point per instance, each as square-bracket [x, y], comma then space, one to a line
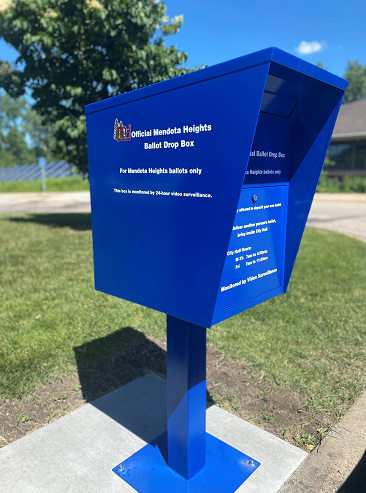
[348, 144]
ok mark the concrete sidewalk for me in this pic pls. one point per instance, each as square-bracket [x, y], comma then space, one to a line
[341, 212]
[338, 464]
[45, 202]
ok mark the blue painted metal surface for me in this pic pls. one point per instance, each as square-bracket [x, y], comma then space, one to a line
[225, 470]
[200, 191]
[186, 459]
[169, 165]
[160, 239]
[254, 261]
[186, 382]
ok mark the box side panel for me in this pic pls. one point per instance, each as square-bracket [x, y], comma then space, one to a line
[254, 261]
[290, 144]
[311, 133]
[307, 164]
[270, 156]
[164, 194]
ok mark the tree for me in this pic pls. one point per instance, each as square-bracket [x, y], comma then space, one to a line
[76, 52]
[320, 65]
[22, 135]
[356, 75]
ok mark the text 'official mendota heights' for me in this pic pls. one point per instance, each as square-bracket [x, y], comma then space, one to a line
[188, 129]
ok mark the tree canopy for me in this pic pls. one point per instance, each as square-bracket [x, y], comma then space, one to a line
[75, 52]
[23, 138]
[356, 75]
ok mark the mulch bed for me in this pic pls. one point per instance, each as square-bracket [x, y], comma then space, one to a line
[281, 411]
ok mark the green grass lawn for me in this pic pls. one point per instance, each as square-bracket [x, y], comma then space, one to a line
[312, 338]
[71, 184]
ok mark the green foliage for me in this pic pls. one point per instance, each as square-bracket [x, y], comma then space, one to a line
[327, 161]
[71, 184]
[18, 120]
[356, 75]
[7, 158]
[77, 52]
[320, 65]
[348, 184]
[15, 145]
[323, 176]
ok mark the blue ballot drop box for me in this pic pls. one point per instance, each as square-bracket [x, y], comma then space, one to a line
[200, 191]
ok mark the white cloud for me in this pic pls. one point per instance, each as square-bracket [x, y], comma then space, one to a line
[309, 47]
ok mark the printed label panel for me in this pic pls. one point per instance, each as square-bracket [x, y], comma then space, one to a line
[255, 255]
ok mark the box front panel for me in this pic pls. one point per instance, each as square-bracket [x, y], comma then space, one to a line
[254, 261]
[166, 173]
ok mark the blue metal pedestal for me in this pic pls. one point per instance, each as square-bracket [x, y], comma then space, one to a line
[186, 458]
[225, 470]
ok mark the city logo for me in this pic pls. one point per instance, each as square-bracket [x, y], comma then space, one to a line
[121, 132]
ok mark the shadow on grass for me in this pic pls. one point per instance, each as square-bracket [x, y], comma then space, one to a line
[108, 363]
[77, 221]
[356, 482]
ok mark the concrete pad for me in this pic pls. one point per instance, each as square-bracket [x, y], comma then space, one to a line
[77, 453]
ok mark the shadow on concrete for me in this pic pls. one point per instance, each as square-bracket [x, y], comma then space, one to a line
[77, 221]
[356, 482]
[108, 363]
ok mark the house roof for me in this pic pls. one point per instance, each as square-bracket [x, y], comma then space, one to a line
[351, 121]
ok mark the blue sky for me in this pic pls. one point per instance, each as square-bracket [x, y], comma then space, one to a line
[214, 31]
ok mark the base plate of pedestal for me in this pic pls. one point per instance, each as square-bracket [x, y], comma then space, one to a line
[225, 470]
